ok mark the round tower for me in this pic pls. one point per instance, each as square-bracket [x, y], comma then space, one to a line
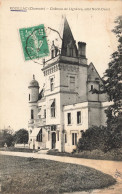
[33, 109]
[33, 99]
[33, 90]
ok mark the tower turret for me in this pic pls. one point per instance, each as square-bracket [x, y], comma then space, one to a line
[33, 90]
[33, 99]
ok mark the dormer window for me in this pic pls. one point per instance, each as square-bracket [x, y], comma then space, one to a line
[71, 52]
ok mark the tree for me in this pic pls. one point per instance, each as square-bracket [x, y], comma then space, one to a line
[6, 137]
[112, 81]
[112, 84]
[21, 136]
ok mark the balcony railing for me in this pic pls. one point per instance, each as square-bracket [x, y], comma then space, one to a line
[40, 122]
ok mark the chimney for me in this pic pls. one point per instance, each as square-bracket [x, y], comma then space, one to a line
[82, 49]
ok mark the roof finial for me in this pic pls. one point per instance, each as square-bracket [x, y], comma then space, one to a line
[33, 76]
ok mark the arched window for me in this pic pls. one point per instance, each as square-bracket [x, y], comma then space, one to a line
[32, 114]
[53, 109]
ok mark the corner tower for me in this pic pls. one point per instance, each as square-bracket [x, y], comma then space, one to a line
[33, 90]
[33, 99]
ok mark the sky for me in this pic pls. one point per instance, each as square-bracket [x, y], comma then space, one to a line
[89, 24]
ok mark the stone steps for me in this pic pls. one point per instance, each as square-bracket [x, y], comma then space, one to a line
[43, 151]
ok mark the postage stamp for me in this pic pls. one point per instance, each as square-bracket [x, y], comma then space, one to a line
[34, 42]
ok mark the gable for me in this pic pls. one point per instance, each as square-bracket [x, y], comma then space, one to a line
[93, 75]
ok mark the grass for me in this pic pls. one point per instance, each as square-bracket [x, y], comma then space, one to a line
[115, 154]
[13, 149]
[27, 176]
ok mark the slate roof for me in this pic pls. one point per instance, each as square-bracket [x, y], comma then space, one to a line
[33, 83]
[67, 38]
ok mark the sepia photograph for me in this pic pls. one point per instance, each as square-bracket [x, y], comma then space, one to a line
[60, 97]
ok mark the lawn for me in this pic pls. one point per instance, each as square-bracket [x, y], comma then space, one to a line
[27, 175]
[13, 149]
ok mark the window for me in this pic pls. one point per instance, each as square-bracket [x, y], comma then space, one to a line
[69, 118]
[39, 136]
[78, 117]
[74, 138]
[53, 128]
[32, 114]
[72, 83]
[65, 138]
[39, 113]
[48, 135]
[53, 109]
[92, 87]
[29, 97]
[52, 84]
[57, 135]
[44, 113]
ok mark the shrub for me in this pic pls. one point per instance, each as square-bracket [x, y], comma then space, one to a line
[100, 138]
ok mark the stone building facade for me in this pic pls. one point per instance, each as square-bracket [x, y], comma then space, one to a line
[66, 105]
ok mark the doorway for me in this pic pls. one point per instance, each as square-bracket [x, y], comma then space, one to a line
[53, 140]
